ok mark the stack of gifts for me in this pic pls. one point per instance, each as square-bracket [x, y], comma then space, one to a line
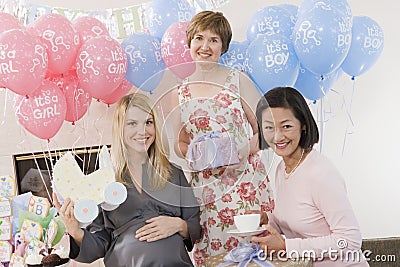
[37, 228]
[29, 226]
[7, 191]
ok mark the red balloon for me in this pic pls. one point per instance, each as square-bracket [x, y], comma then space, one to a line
[61, 40]
[175, 51]
[78, 99]
[43, 112]
[122, 89]
[101, 66]
[9, 22]
[89, 27]
[23, 61]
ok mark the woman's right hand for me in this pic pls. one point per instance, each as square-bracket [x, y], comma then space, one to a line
[66, 212]
[263, 215]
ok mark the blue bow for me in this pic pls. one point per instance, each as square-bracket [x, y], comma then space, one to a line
[208, 135]
[243, 254]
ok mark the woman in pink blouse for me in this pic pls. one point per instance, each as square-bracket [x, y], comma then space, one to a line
[313, 216]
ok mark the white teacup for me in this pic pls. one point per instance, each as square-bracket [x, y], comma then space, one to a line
[247, 222]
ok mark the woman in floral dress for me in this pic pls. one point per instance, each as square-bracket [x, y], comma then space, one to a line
[215, 98]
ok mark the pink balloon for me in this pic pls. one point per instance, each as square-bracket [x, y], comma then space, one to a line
[175, 51]
[43, 113]
[9, 22]
[78, 100]
[23, 61]
[122, 89]
[89, 27]
[101, 66]
[61, 40]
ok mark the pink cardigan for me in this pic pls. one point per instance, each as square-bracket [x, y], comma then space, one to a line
[314, 213]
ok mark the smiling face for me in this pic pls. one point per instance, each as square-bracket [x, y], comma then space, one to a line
[282, 131]
[206, 46]
[139, 131]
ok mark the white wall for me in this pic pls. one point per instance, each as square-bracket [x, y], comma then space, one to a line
[370, 156]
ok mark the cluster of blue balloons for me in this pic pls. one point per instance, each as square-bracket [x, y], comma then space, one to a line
[308, 47]
[145, 64]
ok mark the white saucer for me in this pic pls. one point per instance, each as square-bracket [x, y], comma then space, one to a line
[259, 230]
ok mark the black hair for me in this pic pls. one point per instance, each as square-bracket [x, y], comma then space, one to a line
[290, 98]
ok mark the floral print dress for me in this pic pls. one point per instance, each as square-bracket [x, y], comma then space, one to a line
[223, 194]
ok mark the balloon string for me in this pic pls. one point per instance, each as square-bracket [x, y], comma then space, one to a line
[50, 156]
[101, 133]
[348, 112]
[323, 85]
[322, 124]
[41, 175]
[3, 120]
[352, 93]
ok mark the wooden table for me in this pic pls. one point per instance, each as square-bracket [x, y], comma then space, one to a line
[213, 261]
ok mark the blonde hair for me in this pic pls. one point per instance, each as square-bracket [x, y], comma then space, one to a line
[159, 167]
[213, 21]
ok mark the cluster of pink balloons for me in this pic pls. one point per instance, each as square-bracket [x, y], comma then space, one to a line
[56, 67]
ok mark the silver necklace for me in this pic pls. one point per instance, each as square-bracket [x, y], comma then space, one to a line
[295, 167]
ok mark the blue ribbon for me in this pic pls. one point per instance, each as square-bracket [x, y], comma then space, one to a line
[207, 135]
[243, 254]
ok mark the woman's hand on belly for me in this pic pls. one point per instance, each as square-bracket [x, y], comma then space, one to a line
[161, 227]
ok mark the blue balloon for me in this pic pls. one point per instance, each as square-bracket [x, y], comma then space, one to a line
[145, 64]
[340, 5]
[163, 13]
[292, 9]
[272, 62]
[366, 46]
[322, 39]
[235, 56]
[270, 20]
[314, 87]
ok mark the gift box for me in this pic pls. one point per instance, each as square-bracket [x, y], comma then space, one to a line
[212, 150]
[251, 255]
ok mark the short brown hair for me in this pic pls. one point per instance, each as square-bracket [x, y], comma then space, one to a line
[213, 21]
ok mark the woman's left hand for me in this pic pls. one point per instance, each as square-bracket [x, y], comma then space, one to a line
[160, 227]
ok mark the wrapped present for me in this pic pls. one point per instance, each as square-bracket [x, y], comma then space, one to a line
[7, 186]
[39, 206]
[5, 207]
[16, 261]
[5, 251]
[251, 255]
[34, 247]
[31, 230]
[51, 231]
[20, 244]
[212, 150]
[45, 223]
[19, 203]
[5, 229]
[245, 253]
